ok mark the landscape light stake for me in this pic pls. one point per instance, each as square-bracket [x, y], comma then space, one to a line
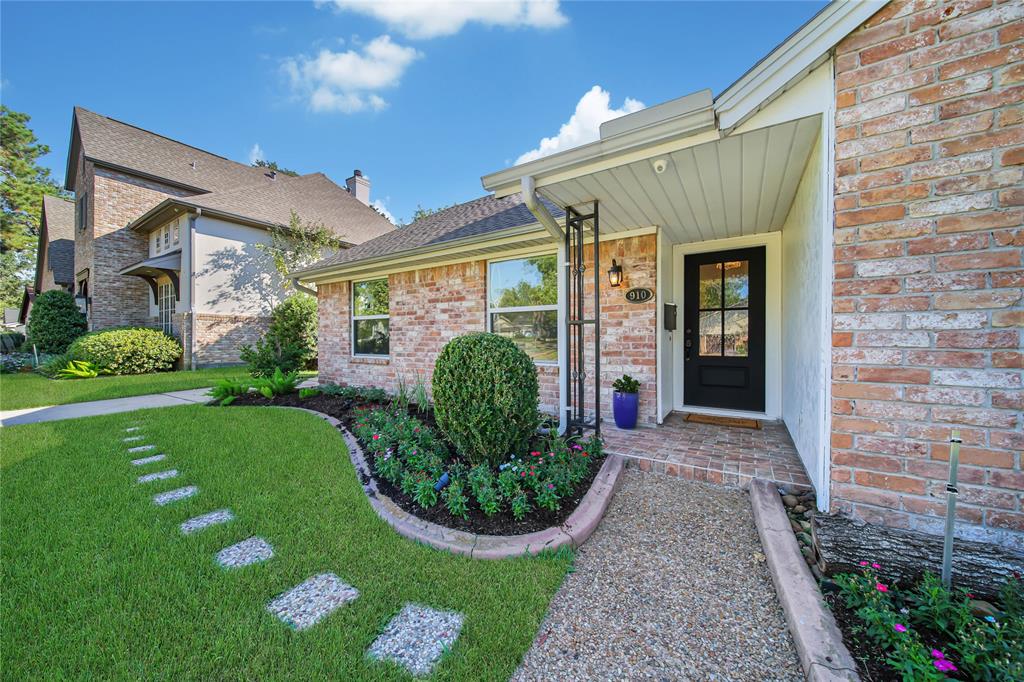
[951, 493]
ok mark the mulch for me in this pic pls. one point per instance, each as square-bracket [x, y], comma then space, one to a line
[502, 523]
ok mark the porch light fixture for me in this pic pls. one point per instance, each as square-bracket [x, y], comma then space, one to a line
[615, 274]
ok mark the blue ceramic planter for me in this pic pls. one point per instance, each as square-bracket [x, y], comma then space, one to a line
[625, 407]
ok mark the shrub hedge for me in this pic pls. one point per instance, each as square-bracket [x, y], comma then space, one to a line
[55, 321]
[127, 350]
[485, 396]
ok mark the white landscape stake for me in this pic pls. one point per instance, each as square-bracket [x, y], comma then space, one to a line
[951, 493]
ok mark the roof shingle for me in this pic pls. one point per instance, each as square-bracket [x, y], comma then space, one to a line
[58, 218]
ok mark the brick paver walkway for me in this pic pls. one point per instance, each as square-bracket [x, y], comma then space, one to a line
[725, 455]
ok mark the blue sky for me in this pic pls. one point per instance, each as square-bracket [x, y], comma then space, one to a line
[424, 102]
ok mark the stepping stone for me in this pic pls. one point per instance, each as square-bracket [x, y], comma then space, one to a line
[160, 499]
[132, 429]
[132, 439]
[158, 476]
[416, 638]
[304, 605]
[251, 551]
[142, 448]
[198, 523]
[148, 460]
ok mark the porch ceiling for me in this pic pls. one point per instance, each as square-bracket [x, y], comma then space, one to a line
[738, 185]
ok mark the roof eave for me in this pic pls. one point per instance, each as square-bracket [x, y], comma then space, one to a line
[334, 271]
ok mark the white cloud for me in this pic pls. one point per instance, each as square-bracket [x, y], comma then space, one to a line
[256, 154]
[380, 206]
[584, 125]
[348, 81]
[435, 18]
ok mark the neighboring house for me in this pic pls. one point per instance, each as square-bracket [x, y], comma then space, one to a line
[834, 241]
[55, 252]
[165, 234]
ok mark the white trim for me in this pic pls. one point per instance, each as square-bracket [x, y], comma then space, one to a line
[719, 412]
[659, 321]
[772, 241]
[790, 61]
[563, 342]
[823, 486]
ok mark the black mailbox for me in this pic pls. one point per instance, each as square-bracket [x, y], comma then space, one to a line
[670, 317]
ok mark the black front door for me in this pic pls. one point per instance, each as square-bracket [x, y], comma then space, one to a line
[723, 327]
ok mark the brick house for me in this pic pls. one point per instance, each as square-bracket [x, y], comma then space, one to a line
[55, 252]
[165, 234]
[832, 243]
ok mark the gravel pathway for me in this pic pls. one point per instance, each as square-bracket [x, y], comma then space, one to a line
[158, 476]
[672, 586]
[162, 499]
[197, 523]
[304, 605]
[417, 638]
[244, 553]
[148, 460]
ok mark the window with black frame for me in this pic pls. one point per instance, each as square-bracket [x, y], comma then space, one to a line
[370, 318]
[522, 299]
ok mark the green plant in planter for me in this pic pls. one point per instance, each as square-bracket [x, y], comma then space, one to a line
[305, 393]
[277, 384]
[626, 384]
[226, 391]
[455, 499]
[485, 396]
[80, 369]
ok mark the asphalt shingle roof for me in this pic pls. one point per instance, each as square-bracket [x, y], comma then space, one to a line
[120, 144]
[59, 215]
[314, 197]
[473, 218]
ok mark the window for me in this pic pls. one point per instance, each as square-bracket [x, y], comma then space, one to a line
[82, 212]
[522, 302]
[167, 236]
[370, 334]
[166, 308]
[177, 231]
[724, 308]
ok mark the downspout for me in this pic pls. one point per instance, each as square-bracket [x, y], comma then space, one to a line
[544, 217]
[192, 287]
[303, 288]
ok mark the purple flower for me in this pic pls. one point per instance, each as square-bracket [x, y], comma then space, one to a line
[863, 563]
[942, 665]
[937, 654]
[899, 627]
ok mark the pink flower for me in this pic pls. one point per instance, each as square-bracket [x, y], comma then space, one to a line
[942, 665]
[876, 565]
[534, 454]
[551, 486]
[863, 563]
[881, 587]
[937, 654]
[899, 627]
[376, 436]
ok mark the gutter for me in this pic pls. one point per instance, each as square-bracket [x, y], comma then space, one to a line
[538, 209]
[303, 288]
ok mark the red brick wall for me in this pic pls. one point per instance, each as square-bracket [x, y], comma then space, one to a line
[219, 338]
[430, 306]
[927, 292]
[105, 247]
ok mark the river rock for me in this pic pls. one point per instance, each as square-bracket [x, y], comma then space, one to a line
[789, 500]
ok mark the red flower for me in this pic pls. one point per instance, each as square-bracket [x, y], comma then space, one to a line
[881, 587]
[376, 436]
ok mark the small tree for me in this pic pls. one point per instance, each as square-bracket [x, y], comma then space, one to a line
[290, 341]
[298, 245]
[55, 321]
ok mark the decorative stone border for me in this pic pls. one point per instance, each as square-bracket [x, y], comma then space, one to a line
[573, 532]
[818, 641]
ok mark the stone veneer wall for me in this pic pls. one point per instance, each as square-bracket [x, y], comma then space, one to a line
[927, 292]
[430, 306]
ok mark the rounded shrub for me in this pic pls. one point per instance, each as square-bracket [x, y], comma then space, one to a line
[485, 397]
[55, 321]
[127, 350]
[293, 321]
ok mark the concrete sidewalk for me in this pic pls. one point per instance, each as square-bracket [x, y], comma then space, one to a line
[33, 415]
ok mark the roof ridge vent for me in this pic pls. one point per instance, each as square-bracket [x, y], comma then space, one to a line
[193, 164]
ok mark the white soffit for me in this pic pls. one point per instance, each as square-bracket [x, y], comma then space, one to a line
[739, 185]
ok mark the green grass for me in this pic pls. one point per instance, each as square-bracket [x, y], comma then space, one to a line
[18, 391]
[97, 582]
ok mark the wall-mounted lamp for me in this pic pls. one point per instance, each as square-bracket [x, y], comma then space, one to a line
[615, 274]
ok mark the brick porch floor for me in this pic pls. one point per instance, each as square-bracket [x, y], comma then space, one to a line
[725, 455]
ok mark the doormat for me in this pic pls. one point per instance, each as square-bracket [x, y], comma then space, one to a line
[724, 421]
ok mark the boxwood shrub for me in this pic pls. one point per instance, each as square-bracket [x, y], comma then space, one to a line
[127, 350]
[485, 397]
[55, 321]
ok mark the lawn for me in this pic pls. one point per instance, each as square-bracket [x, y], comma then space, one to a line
[19, 391]
[98, 582]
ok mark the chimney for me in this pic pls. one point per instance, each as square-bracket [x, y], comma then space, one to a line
[359, 187]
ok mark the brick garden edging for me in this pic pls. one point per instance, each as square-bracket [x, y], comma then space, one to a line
[818, 640]
[573, 532]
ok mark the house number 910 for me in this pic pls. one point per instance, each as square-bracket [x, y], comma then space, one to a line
[639, 295]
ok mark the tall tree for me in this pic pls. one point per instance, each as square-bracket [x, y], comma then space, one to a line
[298, 245]
[272, 165]
[24, 184]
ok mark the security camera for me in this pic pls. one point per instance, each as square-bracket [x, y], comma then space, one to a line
[660, 165]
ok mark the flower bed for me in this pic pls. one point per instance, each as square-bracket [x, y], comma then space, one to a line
[926, 632]
[528, 492]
